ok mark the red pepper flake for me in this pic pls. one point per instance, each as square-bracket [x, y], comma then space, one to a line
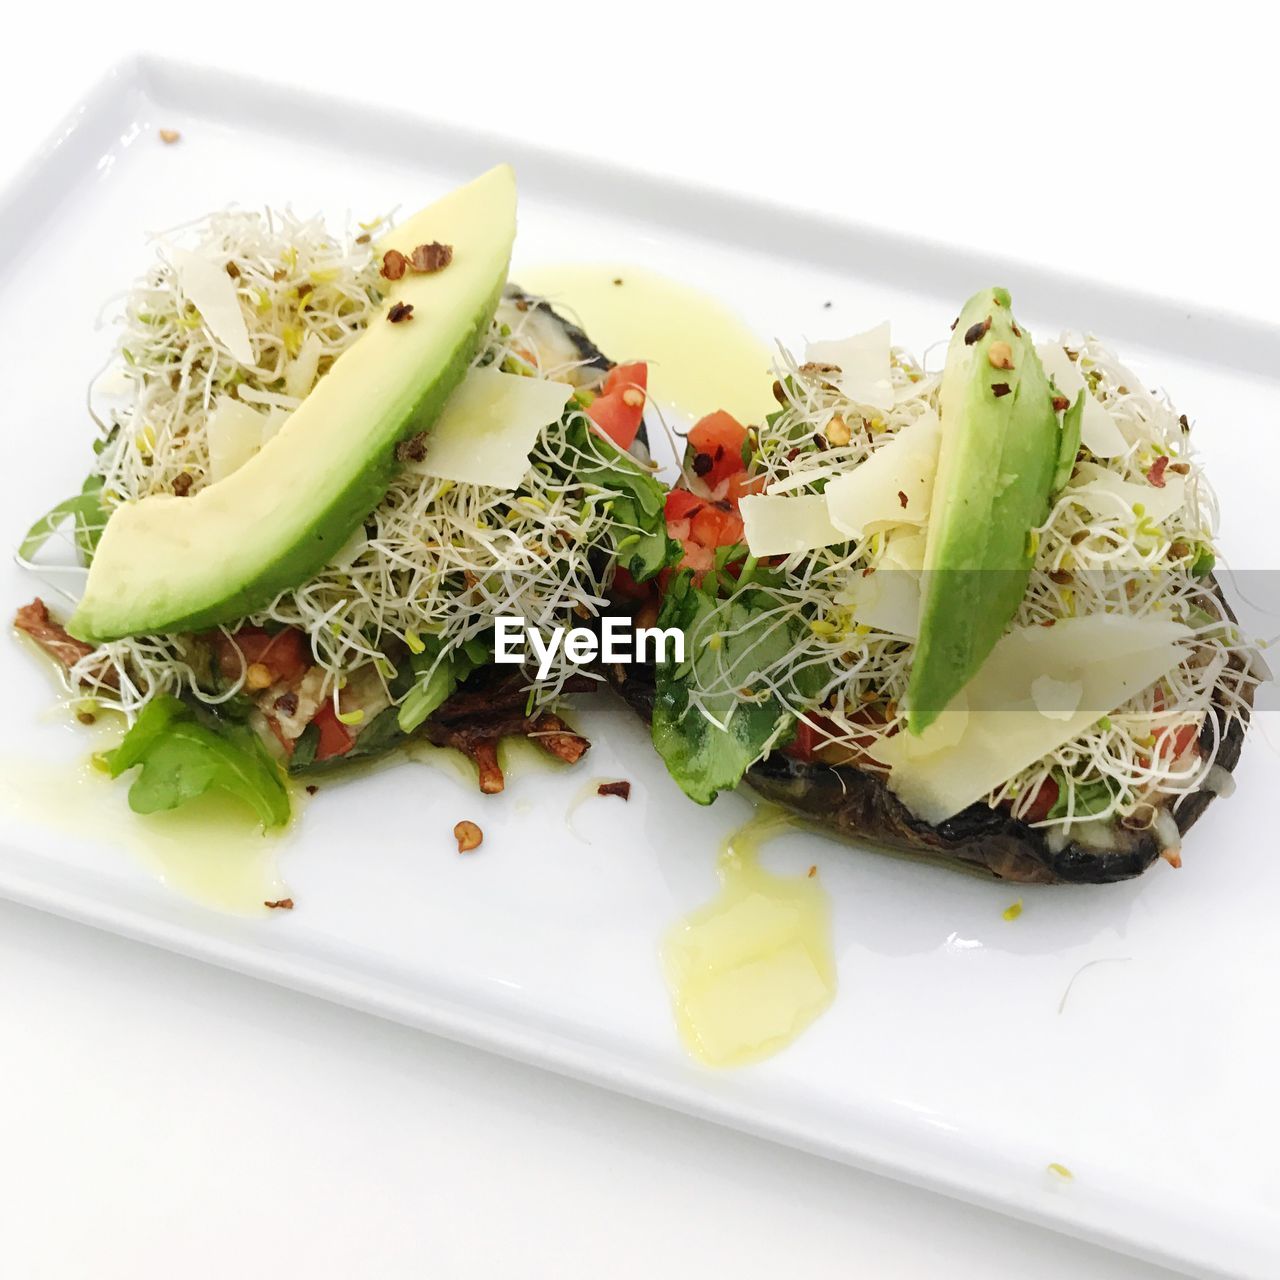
[429, 258]
[621, 789]
[312, 788]
[902, 500]
[1061, 403]
[468, 836]
[394, 264]
[976, 331]
[280, 904]
[1156, 475]
[170, 136]
[1048, 622]
[813, 871]
[400, 311]
[999, 389]
[182, 483]
[414, 449]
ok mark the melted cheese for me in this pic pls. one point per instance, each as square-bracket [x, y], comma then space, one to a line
[893, 486]
[1004, 729]
[1098, 430]
[779, 526]
[863, 361]
[490, 425]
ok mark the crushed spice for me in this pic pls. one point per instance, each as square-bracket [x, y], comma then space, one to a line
[621, 789]
[170, 136]
[280, 904]
[468, 836]
[426, 259]
[976, 331]
[400, 311]
[394, 265]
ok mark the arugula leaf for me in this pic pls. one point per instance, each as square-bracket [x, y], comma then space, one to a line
[1093, 797]
[182, 757]
[437, 680]
[700, 755]
[639, 501]
[87, 512]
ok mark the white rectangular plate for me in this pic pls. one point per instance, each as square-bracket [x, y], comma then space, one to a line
[946, 1060]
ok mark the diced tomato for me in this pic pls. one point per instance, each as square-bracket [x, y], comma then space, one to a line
[1177, 739]
[696, 557]
[619, 408]
[284, 654]
[741, 484]
[626, 587]
[681, 504]
[719, 438]
[335, 739]
[713, 526]
[1044, 800]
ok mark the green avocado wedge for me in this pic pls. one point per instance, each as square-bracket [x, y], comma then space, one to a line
[996, 471]
[169, 564]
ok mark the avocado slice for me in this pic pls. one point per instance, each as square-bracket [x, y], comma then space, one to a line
[168, 564]
[996, 469]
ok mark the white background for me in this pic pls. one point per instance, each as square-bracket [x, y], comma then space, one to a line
[163, 1119]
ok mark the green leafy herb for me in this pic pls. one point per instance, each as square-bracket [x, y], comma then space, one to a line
[183, 756]
[639, 501]
[726, 643]
[85, 510]
[1092, 797]
[437, 679]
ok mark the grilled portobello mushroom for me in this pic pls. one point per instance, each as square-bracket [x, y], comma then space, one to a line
[858, 804]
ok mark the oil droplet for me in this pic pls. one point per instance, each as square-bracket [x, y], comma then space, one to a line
[211, 850]
[702, 357]
[752, 969]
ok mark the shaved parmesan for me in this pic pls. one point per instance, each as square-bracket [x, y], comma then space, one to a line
[1111, 658]
[889, 598]
[863, 361]
[893, 486]
[213, 294]
[781, 526]
[234, 434]
[1057, 699]
[300, 376]
[489, 426]
[1098, 430]
[274, 420]
[1105, 493]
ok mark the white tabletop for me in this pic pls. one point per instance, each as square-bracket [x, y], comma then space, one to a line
[165, 1118]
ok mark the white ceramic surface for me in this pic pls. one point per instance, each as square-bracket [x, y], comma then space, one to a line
[945, 1060]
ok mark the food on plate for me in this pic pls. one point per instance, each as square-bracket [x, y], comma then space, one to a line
[327, 464]
[969, 614]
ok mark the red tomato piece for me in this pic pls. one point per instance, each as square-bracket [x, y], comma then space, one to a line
[619, 408]
[719, 438]
[681, 504]
[1174, 741]
[740, 485]
[284, 654]
[335, 739]
[713, 526]
[1044, 800]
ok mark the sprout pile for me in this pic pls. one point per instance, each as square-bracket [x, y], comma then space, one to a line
[1096, 553]
[432, 565]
